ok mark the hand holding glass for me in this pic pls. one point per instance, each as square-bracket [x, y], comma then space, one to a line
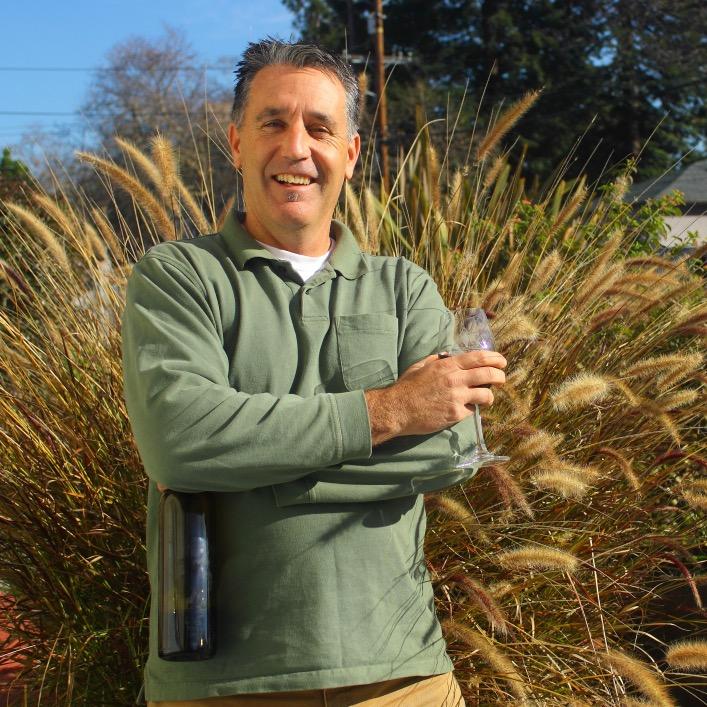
[472, 333]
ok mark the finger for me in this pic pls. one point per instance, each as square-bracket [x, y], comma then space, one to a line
[474, 359]
[478, 396]
[485, 375]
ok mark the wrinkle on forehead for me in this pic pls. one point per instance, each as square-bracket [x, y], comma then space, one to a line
[275, 112]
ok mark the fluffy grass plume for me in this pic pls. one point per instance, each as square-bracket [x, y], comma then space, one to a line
[147, 166]
[504, 123]
[579, 391]
[561, 482]
[665, 364]
[482, 597]
[688, 655]
[537, 444]
[537, 558]
[696, 499]
[42, 232]
[520, 328]
[509, 489]
[547, 269]
[457, 510]
[644, 679]
[142, 195]
[117, 252]
[624, 464]
[489, 652]
[60, 213]
[679, 399]
[596, 284]
[164, 158]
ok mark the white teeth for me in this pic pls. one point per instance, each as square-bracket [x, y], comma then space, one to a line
[292, 179]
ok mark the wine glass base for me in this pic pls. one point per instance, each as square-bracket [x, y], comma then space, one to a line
[481, 460]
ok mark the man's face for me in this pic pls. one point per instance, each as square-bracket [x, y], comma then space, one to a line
[294, 129]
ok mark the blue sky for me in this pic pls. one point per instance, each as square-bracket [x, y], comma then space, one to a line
[78, 34]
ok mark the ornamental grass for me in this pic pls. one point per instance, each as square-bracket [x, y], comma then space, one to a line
[572, 575]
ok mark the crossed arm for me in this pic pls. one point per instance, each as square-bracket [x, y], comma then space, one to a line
[195, 432]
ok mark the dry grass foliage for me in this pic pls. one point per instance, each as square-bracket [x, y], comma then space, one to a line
[548, 571]
[600, 414]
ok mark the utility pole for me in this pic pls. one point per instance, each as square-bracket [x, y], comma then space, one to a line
[380, 81]
[350, 38]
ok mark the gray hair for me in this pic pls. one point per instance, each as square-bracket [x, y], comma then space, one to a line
[271, 51]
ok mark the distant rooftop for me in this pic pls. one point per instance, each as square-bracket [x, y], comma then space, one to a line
[691, 181]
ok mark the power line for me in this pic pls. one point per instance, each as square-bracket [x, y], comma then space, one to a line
[33, 112]
[93, 113]
[204, 67]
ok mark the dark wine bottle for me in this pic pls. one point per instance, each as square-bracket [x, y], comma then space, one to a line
[185, 628]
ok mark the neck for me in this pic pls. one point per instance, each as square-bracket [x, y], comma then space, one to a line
[312, 240]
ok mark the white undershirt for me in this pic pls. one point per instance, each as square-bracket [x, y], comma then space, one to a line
[304, 265]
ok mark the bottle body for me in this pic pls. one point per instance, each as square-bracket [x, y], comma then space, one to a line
[185, 629]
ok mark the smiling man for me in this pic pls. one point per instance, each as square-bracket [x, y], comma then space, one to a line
[294, 147]
[296, 379]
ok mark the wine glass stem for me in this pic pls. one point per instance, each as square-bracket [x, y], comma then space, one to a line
[479, 433]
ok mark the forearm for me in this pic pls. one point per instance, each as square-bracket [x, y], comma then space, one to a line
[384, 416]
[222, 440]
[426, 423]
[195, 432]
[400, 467]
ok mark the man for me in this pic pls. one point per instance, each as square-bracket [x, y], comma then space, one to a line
[276, 366]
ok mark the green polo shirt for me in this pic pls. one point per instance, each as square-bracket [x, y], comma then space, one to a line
[240, 379]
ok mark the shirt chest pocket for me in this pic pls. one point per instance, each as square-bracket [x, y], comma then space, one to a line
[368, 349]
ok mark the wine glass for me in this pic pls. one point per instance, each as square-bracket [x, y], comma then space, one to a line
[472, 333]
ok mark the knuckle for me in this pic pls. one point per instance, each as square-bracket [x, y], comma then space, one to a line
[458, 398]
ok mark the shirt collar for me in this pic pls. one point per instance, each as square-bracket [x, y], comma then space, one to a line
[347, 258]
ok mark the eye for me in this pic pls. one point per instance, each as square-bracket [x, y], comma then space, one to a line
[318, 129]
[272, 124]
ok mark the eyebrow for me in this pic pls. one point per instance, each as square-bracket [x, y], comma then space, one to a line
[274, 111]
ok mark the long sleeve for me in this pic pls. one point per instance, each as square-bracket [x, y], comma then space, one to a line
[404, 465]
[401, 467]
[195, 432]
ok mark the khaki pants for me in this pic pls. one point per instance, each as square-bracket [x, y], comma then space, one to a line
[416, 691]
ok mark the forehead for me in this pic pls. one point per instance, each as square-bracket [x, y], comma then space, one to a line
[290, 88]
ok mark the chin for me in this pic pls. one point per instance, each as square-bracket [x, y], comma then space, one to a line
[296, 214]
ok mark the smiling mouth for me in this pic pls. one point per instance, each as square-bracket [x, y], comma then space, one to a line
[293, 180]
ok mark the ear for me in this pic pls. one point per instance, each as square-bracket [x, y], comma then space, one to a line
[234, 140]
[352, 152]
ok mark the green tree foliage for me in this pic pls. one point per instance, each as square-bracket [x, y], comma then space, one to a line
[16, 186]
[616, 68]
[14, 177]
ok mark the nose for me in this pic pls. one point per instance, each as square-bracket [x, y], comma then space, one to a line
[296, 143]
